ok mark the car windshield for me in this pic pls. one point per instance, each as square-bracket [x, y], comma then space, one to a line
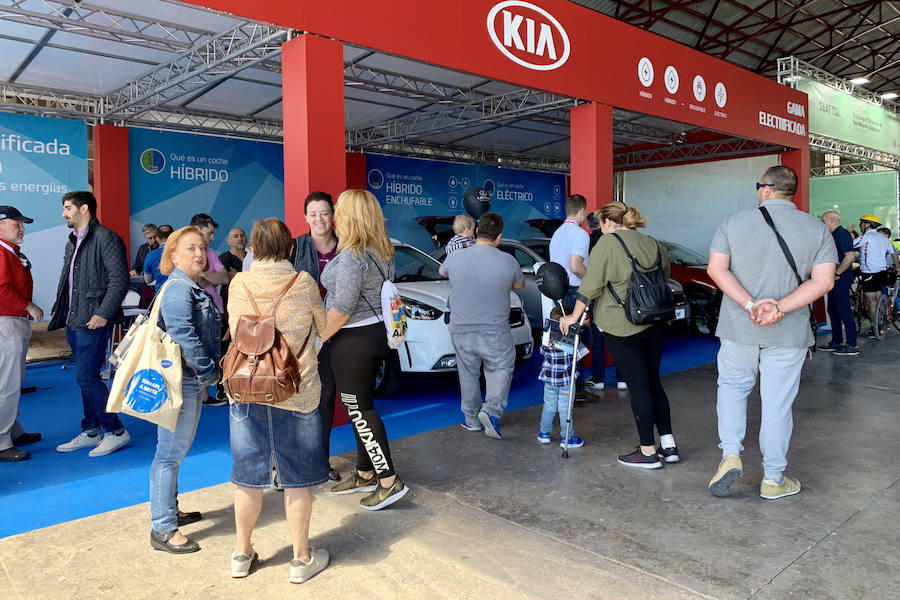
[684, 257]
[412, 265]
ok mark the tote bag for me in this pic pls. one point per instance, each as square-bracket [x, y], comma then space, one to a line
[147, 384]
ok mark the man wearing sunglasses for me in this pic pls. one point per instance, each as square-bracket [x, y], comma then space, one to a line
[764, 323]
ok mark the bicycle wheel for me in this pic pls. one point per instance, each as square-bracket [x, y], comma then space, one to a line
[880, 323]
[895, 313]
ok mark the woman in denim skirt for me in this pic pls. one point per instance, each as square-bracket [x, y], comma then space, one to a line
[192, 321]
[281, 443]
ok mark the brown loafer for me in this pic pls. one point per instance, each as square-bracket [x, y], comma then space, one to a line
[14, 455]
[186, 518]
[159, 540]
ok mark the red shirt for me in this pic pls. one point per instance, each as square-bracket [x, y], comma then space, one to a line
[16, 285]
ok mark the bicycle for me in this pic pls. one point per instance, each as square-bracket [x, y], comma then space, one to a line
[886, 309]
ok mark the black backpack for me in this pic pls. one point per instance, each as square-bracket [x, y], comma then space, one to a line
[649, 299]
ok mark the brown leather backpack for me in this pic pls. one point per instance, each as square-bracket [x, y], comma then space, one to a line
[259, 366]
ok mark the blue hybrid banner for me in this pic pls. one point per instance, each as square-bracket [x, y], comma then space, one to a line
[174, 176]
[409, 188]
[40, 160]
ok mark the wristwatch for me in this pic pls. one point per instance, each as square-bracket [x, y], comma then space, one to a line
[750, 304]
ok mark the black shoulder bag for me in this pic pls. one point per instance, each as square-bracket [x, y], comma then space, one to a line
[649, 299]
[790, 258]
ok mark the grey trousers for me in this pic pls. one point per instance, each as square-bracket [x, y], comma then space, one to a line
[15, 332]
[497, 352]
[779, 369]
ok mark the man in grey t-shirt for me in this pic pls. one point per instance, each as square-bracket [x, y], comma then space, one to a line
[764, 324]
[481, 278]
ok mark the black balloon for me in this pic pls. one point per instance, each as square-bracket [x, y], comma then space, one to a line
[477, 201]
[552, 280]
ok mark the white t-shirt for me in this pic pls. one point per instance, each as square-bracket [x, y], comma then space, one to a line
[874, 252]
[569, 239]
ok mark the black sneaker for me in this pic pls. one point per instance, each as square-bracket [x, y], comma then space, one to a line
[830, 347]
[213, 401]
[641, 460]
[670, 455]
[847, 351]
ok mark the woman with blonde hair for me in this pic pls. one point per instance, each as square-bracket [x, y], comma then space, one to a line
[285, 436]
[357, 340]
[189, 316]
[637, 349]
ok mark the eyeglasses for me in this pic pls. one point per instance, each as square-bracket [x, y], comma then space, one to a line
[759, 186]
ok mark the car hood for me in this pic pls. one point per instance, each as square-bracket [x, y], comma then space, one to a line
[436, 293]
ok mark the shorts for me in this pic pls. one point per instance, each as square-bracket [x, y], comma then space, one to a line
[264, 437]
[873, 282]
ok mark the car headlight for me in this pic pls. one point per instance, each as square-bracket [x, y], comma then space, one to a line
[420, 310]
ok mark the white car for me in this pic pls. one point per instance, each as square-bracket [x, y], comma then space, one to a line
[425, 294]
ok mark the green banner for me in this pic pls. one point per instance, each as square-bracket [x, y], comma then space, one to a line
[857, 195]
[845, 117]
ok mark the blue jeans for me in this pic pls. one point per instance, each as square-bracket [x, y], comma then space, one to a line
[839, 312]
[89, 348]
[171, 448]
[584, 337]
[556, 402]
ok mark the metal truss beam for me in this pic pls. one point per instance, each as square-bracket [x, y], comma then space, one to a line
[514, 160]
[853, 151]
[846, 169]
[212, 60]
[104, 23]
[791, 68]
[731, 147]
[492, 109]
[38, 100]
[396, 84]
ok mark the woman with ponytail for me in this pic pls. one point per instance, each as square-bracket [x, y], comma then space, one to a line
[636, 349]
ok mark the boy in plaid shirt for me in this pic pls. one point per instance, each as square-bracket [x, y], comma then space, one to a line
[556, 373]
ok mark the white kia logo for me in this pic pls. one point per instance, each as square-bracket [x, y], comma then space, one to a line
[538, 39]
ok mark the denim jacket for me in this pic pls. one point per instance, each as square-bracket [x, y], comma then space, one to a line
[189, 316]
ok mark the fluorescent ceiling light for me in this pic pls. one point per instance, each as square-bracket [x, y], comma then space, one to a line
[859, 80]
[889, 96]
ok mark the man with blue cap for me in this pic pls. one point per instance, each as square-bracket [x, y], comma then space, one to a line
[16, 308]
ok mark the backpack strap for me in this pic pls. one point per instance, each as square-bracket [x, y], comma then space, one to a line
[278, 299]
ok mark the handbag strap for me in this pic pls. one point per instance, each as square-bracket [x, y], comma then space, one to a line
[634, 267]
[383, 277]
[784, 248]
[278, 298]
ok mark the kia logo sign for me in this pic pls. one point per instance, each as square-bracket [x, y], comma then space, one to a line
[528, 35]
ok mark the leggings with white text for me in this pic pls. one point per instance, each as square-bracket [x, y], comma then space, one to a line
[356, 354]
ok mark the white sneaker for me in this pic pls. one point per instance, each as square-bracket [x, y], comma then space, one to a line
[622, 385]
[111, 442]
[241, 563]
[80, 442]
[593, 386]
[301, 571]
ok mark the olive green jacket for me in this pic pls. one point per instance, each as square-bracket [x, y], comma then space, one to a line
[608, 263]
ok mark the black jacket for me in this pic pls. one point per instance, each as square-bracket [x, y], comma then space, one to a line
[99, 282]
[305, 257]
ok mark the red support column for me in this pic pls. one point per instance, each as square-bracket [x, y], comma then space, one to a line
[591, 152]
[798, 160]
[356, 171]
[312, 83]
[111, 180]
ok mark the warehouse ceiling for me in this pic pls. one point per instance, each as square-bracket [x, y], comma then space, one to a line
[159, 63]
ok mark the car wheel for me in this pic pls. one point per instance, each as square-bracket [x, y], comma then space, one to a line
[387, 376]
[704, 309]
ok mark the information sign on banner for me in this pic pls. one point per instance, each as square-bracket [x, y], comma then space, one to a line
[845, 117]
[409, 189]
[40, 160]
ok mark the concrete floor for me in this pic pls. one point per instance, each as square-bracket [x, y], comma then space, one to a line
[511, 519]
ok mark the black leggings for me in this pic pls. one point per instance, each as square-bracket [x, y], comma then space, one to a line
[357, 353]
[326, 398]
[638, 357]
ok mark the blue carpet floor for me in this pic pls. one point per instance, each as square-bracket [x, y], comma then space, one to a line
[53, 488]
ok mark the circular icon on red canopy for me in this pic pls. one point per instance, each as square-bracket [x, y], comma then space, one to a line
[645, 71]
[671, 79]
[699, 88]
[721, 95]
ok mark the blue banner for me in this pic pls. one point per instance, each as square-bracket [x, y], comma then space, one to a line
[174, 176]
[408, 188]
[40, 160]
